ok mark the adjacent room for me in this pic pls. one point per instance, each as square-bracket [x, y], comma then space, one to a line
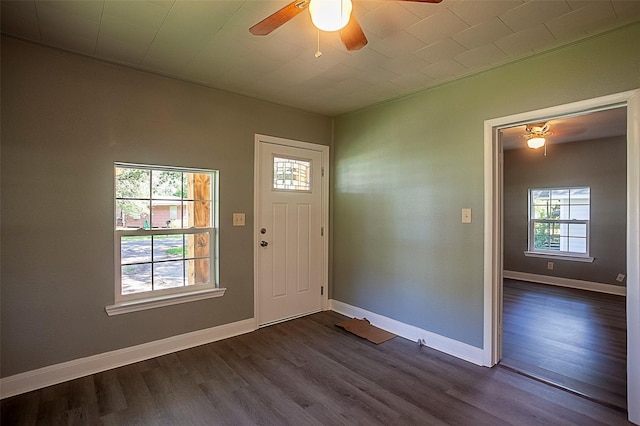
[193, 194]
[565, 253]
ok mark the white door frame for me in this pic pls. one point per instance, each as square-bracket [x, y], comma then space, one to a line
[324, 150]
[493, 243]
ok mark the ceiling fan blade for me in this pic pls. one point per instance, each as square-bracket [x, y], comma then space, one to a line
[275, 20]
[352, 35]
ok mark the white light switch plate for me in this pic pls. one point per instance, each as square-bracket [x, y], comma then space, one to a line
[466, 215]
[238, 219]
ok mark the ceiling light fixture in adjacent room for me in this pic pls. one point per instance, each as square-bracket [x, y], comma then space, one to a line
[536, 134]
[536, 142]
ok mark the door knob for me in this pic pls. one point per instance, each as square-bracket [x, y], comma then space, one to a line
[264, 243]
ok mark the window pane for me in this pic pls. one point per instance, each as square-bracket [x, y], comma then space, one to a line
[541, 235]
[578, 230]
[580, 193]
[197, 214]
[168, 274]
[541, 228]
[166, 184]
[198, 271]
[197, 186]
[196, 245]
[132, 183]
[132, 214]
[561, 194]
[135, 250]
[136, 278]
[166, 247]
[555, 209]
[579, 212]
[161, 213]
[541, 211]
[540, 196]
[577, 245]
[542, 243]
[291, 174]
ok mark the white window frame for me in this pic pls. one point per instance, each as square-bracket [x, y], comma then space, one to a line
[168, 296]
[557, 254]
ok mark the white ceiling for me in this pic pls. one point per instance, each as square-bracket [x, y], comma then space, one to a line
[412, 46]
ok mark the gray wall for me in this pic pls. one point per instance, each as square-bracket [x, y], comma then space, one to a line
[599, 164]
[65, 120]
[404, 170]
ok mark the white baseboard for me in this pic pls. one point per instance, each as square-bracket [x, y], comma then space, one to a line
[566, 282]
[432, 340]
[58, 373]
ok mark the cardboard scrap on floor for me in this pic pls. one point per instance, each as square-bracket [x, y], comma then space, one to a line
[364, 329]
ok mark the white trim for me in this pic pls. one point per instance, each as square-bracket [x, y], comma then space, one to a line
[566, 282]
[58, 373]
[492, 273]
[443, 344]
[493, 222]
[559, 256]
[633, 256]
[324, 150]
[160, 301]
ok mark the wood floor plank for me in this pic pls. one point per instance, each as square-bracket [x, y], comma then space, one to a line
[305, 372]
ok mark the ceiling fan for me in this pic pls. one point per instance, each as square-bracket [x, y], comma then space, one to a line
[326, 15]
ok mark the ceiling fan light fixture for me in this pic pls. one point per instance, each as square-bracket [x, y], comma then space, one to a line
[535, 134]
[536, 142]
[330, 15]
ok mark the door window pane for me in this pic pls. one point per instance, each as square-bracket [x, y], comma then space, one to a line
[291, 174]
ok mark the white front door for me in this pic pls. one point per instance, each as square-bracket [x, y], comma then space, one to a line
[291, 262]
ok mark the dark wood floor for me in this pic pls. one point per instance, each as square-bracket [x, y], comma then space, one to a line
[572, 338]
[305, 372]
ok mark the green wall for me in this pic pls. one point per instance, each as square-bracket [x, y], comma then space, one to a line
[404, 170]
[600, 164]
[65, 120]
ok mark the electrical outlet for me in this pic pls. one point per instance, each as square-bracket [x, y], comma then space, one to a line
[620, 278]
[550, 266]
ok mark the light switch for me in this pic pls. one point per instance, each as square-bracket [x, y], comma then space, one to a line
[466, 215]
[238, 219]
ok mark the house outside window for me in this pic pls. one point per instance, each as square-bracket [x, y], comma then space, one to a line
[165, 233]
[559, 220]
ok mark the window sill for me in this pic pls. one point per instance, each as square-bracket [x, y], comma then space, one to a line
[569, 257]
[158, 302]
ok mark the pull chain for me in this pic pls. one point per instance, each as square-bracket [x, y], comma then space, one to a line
[318, 52]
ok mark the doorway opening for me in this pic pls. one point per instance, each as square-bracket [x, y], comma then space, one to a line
[564, 221]
[493, 275]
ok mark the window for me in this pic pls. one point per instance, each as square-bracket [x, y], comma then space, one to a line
[559, 222]
[291, 174]
[165, 235]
